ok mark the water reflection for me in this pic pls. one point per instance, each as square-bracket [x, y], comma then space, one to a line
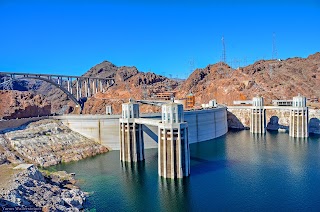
[174, 194]
[134, 187]
[133, 171]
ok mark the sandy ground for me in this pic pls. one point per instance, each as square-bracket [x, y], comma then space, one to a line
[6, 173]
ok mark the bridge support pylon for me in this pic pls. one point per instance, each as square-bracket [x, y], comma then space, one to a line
[131, 138]
[173, 144]
[258, 116]
[299, 116]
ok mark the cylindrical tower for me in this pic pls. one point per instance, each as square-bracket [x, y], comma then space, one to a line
[131, 138]
[299, 116]
[258, 116]
[173, 144]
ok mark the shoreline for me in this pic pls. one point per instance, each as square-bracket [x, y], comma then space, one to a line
[29, 187]
[42, 144]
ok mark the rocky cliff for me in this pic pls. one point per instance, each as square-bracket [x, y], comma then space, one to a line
[21, 104]
[273, 79]
[129, 83]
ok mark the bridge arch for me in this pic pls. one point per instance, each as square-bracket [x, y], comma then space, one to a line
[56, 85]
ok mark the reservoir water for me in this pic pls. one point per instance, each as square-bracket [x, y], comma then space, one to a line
[236, 172]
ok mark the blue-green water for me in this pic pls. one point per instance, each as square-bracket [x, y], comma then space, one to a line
[236, 172]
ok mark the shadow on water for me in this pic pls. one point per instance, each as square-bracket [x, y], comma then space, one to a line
[206, 166]
[174, 194]
[209, 156]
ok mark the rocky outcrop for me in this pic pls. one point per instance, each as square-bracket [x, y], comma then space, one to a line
[238, 119]
[49, 142]
[7, 154]
[272, 79]
[18, 104]
[129, 83]
[314, 121]
[30, 188]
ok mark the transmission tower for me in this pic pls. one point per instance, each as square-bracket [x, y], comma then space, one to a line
[274, 47]
[223, 57]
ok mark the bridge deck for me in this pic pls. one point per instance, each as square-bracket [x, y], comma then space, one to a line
[53, 75]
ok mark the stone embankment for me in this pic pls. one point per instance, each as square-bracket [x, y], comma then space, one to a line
[43, 143]
[276, 119]
[46, 143]
[30, 189]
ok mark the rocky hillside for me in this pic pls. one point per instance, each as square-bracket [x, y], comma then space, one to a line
[46, 143]
[129, 83]
[21, 104]
[272, 79]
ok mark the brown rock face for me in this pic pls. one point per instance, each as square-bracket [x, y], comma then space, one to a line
[272, 79]
[129, 83]
[22, 104]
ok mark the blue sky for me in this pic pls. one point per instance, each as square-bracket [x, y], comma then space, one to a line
[69, 37]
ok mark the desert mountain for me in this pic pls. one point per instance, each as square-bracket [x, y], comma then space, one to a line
[272, 79]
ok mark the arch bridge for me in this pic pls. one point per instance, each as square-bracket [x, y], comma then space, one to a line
[75, 87]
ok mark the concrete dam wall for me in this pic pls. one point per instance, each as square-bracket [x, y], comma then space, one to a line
[203, 125]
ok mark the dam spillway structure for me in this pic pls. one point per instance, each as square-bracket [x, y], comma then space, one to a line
[173, 144]
[258, 116]
[299, 116]
[131, 139]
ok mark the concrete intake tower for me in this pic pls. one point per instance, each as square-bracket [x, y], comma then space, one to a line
[258, 116]
[299, 117]
[173, 145]
[131, 139]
